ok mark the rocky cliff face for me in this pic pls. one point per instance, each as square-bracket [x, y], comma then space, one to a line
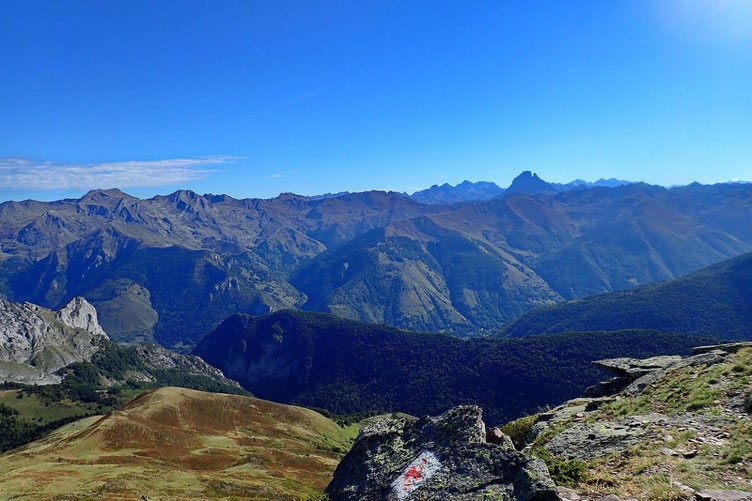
[79, 314]
[154, 357]
[36, 342]
[445, 457]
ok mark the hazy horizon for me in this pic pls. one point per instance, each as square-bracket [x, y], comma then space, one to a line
[145, 193]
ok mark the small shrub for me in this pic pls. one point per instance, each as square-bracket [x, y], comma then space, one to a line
[519, 429]
[566, 472]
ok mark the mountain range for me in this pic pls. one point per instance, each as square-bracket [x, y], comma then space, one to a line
[716, 300]
[481, 191]
[171, 268]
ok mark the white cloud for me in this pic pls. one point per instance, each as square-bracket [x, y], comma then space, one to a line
[275, 175]
[23, 174]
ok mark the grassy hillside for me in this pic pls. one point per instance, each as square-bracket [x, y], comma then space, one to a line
[320, 360]
[114, 376]
[715, 301]
[176, 443]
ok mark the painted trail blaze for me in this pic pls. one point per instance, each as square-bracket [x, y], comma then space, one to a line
[417, 472]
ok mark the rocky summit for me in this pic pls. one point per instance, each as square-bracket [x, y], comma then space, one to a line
[431, 458]
[35, 342]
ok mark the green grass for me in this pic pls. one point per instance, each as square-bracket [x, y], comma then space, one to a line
[518, 429]
[40, 410]
[644, 469]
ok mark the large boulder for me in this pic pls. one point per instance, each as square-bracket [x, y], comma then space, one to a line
[444, 457]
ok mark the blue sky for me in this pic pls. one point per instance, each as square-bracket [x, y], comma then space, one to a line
[257, 98]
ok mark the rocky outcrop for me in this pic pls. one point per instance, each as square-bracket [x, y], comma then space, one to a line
[432, 458]
[154, 356]
[677, 414]
[79, 314]
[36, 342]
[639, 374]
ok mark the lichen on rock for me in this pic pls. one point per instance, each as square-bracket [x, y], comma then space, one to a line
[431, 458]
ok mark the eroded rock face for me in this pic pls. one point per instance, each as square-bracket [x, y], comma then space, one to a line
[80, 314]
[36, 342]
[444, 457]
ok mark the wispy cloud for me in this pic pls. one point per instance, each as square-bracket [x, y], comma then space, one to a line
[284, 104]
[275, 175]
[25, 174]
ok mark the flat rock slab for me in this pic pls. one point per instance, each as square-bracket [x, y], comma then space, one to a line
[722, 495]
[634, 368]
[586, 441]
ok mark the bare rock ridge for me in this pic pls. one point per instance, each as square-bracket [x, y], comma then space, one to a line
[444, 457]
[36, 342]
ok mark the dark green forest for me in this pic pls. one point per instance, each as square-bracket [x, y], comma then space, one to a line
[346, 366]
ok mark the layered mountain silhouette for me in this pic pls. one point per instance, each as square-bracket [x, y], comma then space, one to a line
[463, 192]
[716, 300]
[170, 268]
[530, 183]
[482, 191]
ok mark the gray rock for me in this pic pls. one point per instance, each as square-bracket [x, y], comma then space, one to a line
[590, 440]
[634, 375]
[706, 358]
[635, 368]
[727, 348]
[567, 494]
[432, 458]
[80, 314]
[36, 342]
[723, 495]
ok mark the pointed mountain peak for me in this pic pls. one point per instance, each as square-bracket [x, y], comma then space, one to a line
[530, 183]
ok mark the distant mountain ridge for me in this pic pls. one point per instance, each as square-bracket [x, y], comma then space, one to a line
[372, 256]
[481, 191]
[463, 192]
[716, 300]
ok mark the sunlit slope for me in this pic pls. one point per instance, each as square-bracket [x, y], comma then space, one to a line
[175, 443]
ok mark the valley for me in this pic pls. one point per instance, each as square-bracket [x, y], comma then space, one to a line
[377, 257]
